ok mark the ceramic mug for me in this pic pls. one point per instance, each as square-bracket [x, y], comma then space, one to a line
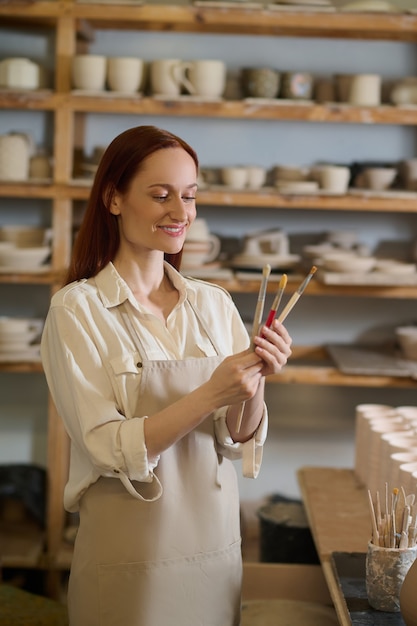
[124, 74]
[206, 78]
[365, 90]
[88, 72]
[163, 77]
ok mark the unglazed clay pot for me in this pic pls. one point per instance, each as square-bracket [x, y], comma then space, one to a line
[408, 602]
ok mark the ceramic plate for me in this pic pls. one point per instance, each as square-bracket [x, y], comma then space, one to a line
[31, 353]
[242, 4]
[105, 93]
[7, 269]
[300, 7]
[259, 261]
[188, 98]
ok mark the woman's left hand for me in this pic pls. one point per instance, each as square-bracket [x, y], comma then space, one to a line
[273, 346]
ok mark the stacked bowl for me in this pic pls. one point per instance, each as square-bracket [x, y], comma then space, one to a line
[23, 247]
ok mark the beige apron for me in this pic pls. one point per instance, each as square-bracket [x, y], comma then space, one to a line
[173, 561]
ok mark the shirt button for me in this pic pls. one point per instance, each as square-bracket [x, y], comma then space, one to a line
[139, 364]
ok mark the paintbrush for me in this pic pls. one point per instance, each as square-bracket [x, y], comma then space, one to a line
[277, 300]
[256, 324]
[296, 295]
[261, 302]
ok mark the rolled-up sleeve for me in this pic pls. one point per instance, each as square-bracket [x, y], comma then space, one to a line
[250, 451]
[84, 391]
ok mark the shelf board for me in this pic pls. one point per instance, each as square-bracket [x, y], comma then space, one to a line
[316, 288]
[241, 20]
[269, 198]
[278, 109]
[311, 365]
[237, 20]
[32, 278]
[22, 367]
[30, 99]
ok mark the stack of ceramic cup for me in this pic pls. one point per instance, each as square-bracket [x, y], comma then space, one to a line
[386, 447]
[200, 247]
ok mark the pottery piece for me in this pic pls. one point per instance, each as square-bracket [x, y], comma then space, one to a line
[261, 82]
[200, 245]
[24, 236]
[333, 178]
[379, 178]
[256, 176]
[407, 339]
[297, 85]
[205, 78]
[164, 80]
[404, 93]
[235, 177]
[14, 157]
[342, 86]
[88, 72]
[408, 602]
[19, 73]
[386, 569]
[124, 74]
[24, 258]
[365, 90]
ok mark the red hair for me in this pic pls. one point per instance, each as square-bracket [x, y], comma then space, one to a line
[98, 239]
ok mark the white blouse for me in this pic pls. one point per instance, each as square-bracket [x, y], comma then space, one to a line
[86, 346]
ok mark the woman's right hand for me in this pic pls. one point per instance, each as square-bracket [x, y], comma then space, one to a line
[236, 379]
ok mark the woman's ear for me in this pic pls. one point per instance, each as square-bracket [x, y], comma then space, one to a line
[115, 204]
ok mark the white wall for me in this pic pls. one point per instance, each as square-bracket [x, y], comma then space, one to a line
[309, 424]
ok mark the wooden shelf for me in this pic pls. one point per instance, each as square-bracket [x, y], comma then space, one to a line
[21, 367]
[316, 288]
[239, 20]
[269, 198]
[311, 365]
[280, 110]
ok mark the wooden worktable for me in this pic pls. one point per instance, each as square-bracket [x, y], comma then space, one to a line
[338, 513]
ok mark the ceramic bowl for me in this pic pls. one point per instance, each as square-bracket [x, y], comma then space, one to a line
[24, 258]
[379, 178]
[23, 236]
[391, 266]
[407, 339]
[14, 326]
[348, 263]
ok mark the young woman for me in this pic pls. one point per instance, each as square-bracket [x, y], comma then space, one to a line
[148, 370]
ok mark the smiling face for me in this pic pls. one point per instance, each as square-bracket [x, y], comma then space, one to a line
[159, 206]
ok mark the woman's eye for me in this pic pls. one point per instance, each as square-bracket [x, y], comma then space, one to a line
[160, 198]
[188, 198]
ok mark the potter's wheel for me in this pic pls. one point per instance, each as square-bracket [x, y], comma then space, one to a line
[258, 261]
